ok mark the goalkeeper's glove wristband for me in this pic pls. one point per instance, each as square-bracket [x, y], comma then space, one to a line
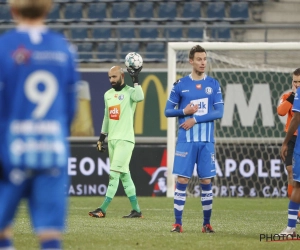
[291, 97]
[102, 137]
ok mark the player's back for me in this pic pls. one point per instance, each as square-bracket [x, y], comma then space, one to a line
[37, 97]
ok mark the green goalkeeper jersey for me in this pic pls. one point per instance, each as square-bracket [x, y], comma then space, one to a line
[119, 112]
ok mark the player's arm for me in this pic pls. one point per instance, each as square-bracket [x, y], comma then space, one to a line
[286, 103]
[137, 95]
[104, 130]
[215, 114]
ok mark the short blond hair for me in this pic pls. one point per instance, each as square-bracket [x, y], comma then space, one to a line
[31, 8]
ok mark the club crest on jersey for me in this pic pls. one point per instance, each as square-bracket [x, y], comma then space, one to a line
[198, 86]
[121, 97]
[114, 112]
[208, 90]
[21, 55]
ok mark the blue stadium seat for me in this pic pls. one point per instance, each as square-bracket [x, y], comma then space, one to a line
[143, 11]
[73, 12]
[173, 31]
[102, 33]
[96, 11]
[195, 33]
[120, 11]
[79, 34]
[215, 11]
[167, 11]
[155, 52]
[127, 33]
[106, 52]
[191, 11]
[129, 47]
[239, 11]
[5, 16]
[148, 32]
[85, 51]
[221, 32]
[59, 30]
[54, 14]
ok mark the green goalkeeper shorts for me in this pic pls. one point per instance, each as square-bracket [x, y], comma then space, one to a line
[119, 155]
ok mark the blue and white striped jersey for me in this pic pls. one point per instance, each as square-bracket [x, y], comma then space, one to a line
[205, 93]
[37, 97]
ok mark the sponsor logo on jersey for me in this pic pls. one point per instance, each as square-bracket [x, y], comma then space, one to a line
[208, 90]
[198, 86]
[114, 112]
[121, 97]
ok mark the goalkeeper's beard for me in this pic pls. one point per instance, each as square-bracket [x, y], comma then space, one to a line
[117, 85]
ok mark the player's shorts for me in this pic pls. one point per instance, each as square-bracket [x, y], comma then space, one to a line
[290, 151]
[45, 191]
[120, 155]
[189, 153]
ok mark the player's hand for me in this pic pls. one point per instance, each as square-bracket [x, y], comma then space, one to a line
[189, 123]
[134, 73]
[190, 109]
[100, 146]
[283, 151]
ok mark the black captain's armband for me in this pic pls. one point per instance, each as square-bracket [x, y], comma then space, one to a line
[291, 97]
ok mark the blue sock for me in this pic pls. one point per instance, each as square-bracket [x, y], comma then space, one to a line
[179, 201]
[6, 243]
[292, 213]
[51, 244]
[206, 201]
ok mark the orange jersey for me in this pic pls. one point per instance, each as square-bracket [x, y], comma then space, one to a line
[284, 108]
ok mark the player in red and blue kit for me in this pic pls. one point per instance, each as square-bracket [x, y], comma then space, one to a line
[197, 101]
[37, 103]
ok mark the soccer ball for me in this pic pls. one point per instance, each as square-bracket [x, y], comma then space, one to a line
[133, 60]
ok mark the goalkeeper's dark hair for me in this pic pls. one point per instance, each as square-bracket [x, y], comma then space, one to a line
[196, 48]
[297, 72]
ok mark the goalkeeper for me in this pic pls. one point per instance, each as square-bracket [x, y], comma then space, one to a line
[120, 103]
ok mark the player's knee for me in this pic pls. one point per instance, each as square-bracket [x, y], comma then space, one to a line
[182, 180]
[205, 181]
[49, 235]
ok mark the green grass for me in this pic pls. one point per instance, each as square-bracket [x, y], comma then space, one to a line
[238, 222]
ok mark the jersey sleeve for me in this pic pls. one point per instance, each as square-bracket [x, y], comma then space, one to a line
[296, 104]
[137, 94]
[104, 129]
[172, 102]
[284, 106]
[218, 98]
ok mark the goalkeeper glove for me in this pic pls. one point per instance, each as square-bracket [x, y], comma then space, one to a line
[134, 73]
[100, 143]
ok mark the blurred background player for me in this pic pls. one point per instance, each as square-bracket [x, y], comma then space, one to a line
[285, 108]
[120, 103]
[199, 103]
[294, 202]
[37, 104]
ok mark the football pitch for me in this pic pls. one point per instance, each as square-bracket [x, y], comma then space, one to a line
[238, 223]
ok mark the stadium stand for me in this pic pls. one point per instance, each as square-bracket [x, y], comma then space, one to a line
[85, 51]
[149, 22]
[129, 47]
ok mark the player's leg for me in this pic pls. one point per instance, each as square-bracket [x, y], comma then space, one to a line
[123, 152]
[48, 206]
[294, 202]
[10, 197]
[113, 184]
[184, 161]
[206, 170]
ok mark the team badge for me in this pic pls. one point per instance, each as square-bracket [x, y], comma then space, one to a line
[208, 90]
[21, 55]
[121, 97]
[198, 86]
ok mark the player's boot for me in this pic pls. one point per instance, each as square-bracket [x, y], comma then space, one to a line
[289, 231]
[97, 213]
[207, 229]
[177, 228]
[134, 214]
